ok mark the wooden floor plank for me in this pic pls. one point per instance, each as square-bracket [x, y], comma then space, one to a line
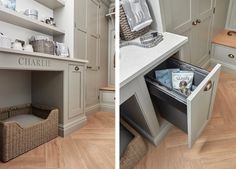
[92, 147]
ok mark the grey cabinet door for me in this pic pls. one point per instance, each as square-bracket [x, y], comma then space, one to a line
[93, 17]
[200, 105]
[80, 44]
[76, 90]
[81, 15]
[191, 18]
[91, 88]
[231, 19]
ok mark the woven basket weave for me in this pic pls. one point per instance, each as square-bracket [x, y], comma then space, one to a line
[135, 150]
[125, 31]
[15, 140]
[43, 46]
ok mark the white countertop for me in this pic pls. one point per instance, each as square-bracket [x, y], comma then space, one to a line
[135, 60]
[42, 55]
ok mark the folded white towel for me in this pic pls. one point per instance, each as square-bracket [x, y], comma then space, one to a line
[137, 14]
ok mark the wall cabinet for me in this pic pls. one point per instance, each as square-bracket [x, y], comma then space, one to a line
[76, 90]
[194, 22]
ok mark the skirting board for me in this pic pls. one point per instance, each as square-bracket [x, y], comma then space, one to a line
[107, 108]
[92, 109]
[65, 130]
[156, 140]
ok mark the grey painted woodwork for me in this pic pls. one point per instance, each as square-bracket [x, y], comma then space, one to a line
[194, 22]
[76, 90]
[199, 106]
[49, 84]
[231, 18]
[91, 41]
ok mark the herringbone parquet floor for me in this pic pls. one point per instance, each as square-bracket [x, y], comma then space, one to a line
[215, 149]
[92, 147]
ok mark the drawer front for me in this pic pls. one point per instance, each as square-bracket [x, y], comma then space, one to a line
[200, 105]
[192, 114]
[107, 97]
[225, 54]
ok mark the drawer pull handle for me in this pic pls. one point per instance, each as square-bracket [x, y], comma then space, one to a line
[89, 67]
[208, 86]
[76, 68]
[198, 21]
[231, 56]
[194, 23]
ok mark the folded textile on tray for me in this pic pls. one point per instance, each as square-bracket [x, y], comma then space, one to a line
[137, 14]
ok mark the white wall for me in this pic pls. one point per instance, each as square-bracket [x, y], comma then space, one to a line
[16, 32]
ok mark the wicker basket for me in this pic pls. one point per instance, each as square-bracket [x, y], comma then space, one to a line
[125, 31]
[43, 46]
[16, 140]
[135, 150]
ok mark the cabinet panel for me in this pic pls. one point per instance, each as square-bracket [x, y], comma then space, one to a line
[93, 17]
[81, 14]
[231, 20]
[92, 52]
[80, 44]
[204, 6]
[76, 88]
[200, 105]
[91, 88]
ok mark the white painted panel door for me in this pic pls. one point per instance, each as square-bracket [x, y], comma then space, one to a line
[178, 16]
[93, 17]
[80, 44]
[191, 18]
[81, 15]
[92, 92]
[202, 32]
[92, 52]
[231, 18]
[76, 90]
[112, 59]
[200, 105]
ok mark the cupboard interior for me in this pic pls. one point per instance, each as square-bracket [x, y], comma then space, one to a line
[37, 87]
[167, 103]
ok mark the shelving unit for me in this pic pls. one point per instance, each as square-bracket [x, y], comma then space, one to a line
[52, 4]
[15, 18]
[37, 54]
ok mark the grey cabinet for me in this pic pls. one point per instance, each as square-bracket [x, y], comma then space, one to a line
[76, 90]
[191, 18]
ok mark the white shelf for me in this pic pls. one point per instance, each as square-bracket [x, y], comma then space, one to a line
[52, 4]
[43, 55]
[15, 18]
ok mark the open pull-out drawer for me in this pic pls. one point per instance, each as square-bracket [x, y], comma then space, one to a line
[191, 113]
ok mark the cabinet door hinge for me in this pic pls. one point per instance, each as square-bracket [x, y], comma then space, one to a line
[214, 10]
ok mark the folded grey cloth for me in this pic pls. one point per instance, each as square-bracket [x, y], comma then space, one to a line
[137, 14]
[164, 77]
